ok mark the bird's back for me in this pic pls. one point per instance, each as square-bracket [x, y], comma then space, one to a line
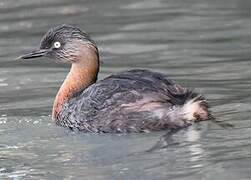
[130, 101]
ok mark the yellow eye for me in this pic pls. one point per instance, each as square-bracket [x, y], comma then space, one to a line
[57, 44]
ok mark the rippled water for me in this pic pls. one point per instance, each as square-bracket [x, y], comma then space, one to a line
[202, 44]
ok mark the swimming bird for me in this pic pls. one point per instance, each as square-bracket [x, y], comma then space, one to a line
[136, 100]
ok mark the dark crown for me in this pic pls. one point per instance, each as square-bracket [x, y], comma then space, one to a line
[64, 33]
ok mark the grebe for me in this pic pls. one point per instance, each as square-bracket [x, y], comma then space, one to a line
[131, 101]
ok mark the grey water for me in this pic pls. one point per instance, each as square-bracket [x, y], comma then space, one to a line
[202, 44]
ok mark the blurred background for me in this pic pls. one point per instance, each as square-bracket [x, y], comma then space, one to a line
[202, 44]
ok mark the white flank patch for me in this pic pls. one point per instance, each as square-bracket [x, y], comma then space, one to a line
[190, 108]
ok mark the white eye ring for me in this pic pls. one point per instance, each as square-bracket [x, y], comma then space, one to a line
[57, 44]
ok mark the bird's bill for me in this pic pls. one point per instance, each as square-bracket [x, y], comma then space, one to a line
[34, 54]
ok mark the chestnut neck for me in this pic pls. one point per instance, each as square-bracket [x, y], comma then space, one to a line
[82, 74]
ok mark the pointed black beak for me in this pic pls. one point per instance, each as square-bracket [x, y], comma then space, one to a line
[34, 54]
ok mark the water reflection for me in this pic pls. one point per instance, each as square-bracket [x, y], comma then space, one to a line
[196, 149]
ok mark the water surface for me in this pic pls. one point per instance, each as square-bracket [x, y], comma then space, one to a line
[204, 45]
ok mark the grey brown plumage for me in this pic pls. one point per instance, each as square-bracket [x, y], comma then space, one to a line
[130, 101]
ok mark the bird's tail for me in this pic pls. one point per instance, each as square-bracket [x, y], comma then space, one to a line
[196, 109]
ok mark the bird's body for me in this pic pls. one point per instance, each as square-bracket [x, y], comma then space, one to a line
[130, 101]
